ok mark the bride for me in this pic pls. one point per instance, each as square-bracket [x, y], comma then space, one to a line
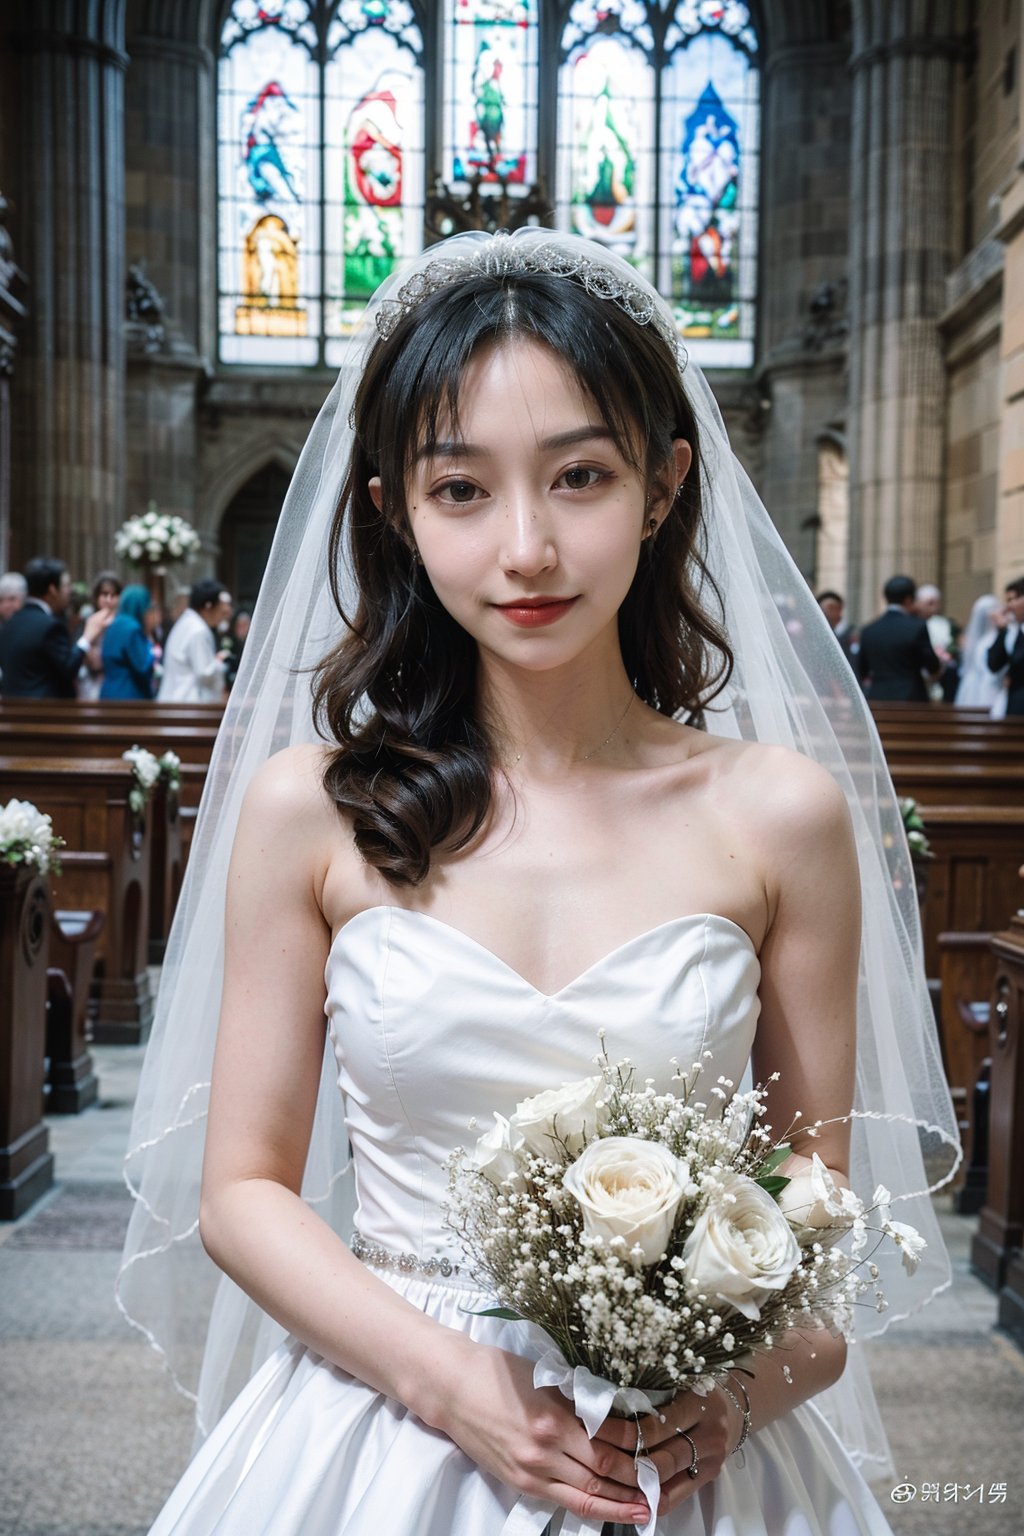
[503, 841]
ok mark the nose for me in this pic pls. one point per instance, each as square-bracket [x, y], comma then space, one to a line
[528, 537]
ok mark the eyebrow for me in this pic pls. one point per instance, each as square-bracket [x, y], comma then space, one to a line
[452, 449]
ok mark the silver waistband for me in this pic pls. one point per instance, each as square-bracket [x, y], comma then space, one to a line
[405, 1263]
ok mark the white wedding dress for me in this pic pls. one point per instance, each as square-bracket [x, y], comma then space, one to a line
[430, 1029]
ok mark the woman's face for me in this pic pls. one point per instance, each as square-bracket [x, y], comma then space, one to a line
[107, 599]
[528, 519]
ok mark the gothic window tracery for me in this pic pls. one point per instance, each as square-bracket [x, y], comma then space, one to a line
[320, 135]
[490, 109]
[648, 144]
[657, 155]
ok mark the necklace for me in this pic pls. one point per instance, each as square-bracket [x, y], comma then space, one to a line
[594, 750]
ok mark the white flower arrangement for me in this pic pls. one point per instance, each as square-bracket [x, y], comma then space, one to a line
[651, 1236]
[27, 837]
[913, 826]
[170, 770]
[156, 538]
[146, 772]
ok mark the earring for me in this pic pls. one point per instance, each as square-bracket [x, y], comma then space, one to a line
[652, 527]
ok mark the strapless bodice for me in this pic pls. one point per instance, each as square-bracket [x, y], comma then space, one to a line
[431, 1030]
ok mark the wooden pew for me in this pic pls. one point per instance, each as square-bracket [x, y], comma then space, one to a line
[42, 736]
[26, 1162]
[105, 867]
[73, 1085]
[966, 967]
[1000, 1235]
[972, 881]
[167, 863]
[113, 710]
[934, 783]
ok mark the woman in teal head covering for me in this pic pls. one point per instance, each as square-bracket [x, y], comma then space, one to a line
[127, 653]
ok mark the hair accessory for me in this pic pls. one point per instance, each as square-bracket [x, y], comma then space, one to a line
[501, 256]
[694, 1466]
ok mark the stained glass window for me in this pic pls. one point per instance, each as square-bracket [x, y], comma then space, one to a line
[321, 169]
[323, 107]
[606, 129]
[490, 113]
[657, 155]
[709, 176]
[373, 154]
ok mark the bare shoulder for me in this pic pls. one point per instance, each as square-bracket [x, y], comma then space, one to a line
[778, 793]
[286, 796]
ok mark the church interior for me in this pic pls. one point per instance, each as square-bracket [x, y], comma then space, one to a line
[197, 200]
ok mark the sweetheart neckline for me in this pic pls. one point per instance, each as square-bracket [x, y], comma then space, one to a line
[602, 960]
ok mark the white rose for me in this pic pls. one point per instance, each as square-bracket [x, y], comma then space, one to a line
[571, 1113]
[631, 1189]
[494, 1154]
[135, 551]
[815, 1207]
[741, 1248]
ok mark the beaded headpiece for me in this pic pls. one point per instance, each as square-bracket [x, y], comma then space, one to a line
[504, 256]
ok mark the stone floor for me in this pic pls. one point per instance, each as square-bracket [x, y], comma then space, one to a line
[93, 1435]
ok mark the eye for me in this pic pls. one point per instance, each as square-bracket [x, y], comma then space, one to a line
[461, 492]
[582, 477]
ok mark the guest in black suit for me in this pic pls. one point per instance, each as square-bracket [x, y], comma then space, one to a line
[1002, 653]
[37, 657]
[895, 650]
[832, 605]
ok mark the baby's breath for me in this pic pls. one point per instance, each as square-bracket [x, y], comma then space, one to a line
[648, 1325]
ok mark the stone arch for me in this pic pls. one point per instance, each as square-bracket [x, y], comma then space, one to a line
[231, 470]
[243, 517]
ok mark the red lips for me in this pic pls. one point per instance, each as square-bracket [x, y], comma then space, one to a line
[532, 612]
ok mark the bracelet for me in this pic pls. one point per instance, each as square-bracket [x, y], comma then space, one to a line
[744, 1408]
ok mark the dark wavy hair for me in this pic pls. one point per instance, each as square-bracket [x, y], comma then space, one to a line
[413, 766]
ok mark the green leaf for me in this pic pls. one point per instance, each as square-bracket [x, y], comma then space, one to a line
[506, 1312]
[773, 1159]
[774, 1183]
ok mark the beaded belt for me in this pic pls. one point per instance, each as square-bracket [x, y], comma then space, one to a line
[405, 1263]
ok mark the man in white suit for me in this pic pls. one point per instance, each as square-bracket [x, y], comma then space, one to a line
[193, 666]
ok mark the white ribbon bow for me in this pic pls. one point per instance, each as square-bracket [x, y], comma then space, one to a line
[593, 1398]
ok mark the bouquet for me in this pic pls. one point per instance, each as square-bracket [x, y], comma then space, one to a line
[652, 1237]
[156, 538]
[27, 837]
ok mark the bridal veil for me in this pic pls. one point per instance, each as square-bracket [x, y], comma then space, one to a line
[791, 685]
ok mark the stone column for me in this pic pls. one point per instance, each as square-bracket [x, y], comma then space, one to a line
[802, 300]
[69, 389]
[12, 316]
[1009, 541]
[171, 244]
[901, 250]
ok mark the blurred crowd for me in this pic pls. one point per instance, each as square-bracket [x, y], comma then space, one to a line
[64, 639]
[915, 653]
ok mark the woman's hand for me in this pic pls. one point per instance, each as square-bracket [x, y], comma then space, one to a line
[713, 1423]
[531, 1438]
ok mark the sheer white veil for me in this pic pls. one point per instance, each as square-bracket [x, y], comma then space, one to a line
[791, 686]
